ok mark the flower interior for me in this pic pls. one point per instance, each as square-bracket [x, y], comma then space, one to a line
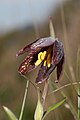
[44, 56]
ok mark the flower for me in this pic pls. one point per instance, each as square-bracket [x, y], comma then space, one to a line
[47, 52]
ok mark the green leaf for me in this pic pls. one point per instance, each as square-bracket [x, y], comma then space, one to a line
[9, 113]
[52, 33]
[53, 107]
[39, 108]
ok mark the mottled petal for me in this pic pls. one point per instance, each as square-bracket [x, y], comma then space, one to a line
[49, 71]
[26, 65]
[42, 71]
[43, 42]
[55, 51]
[39, 43]
[25, 49]
[58, 52]
[60, 68]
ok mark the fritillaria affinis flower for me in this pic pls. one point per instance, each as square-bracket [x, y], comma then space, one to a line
[47, 52]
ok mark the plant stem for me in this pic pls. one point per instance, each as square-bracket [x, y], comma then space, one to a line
[44, 93]
[24, 100]
[66, 43]
[77, 75]
[62, 87]
[68, 59]
[78, 105]
[51, 27]
[72, 109]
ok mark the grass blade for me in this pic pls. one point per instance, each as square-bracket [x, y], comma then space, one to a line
[24, 100]
[54, 107]
[51, 27]
[9, 113]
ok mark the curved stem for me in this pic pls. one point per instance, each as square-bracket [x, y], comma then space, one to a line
[24, 100]
[62, 87]
[68, 101]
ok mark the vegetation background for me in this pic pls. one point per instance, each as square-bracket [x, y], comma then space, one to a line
[12, 85]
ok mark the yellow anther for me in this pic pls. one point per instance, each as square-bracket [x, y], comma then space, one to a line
[38, 62]
[49, 64]
[45, 63]
[43, 55]
[49, 60]
[39, 55]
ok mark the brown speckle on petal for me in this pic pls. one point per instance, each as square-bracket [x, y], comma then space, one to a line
[24, 67]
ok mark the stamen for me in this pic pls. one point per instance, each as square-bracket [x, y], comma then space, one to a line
[38, 62]
[49, 60]
[45, 62]
[41, 57]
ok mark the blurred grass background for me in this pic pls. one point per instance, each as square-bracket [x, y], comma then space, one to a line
[12, 85]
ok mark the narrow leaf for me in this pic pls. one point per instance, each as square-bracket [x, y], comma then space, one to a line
[39, 108]
[24, 100]
[78, 65]
[52, 33]
[53, 107]
[9, 113]
[78, 78]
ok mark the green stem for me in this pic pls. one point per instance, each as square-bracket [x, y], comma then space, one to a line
[78, 78]
[72, 109]
[44, 93]
[62, 87]
[69, 60]
[78, 105]
[51, 27]
[24, 100]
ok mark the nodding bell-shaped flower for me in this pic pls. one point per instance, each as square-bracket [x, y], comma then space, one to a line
[47, 52]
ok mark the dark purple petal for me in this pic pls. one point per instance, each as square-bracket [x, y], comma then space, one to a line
[25, 49]
[58, 52]
[40, 77]
[43, 42]
[49, 71]
[58, 55]
[39, 43]
[27, 65]
[60, 68]
[44, 73]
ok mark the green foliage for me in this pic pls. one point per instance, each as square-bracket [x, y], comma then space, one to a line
[39, 108]
[54, 107]
[9, 113]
